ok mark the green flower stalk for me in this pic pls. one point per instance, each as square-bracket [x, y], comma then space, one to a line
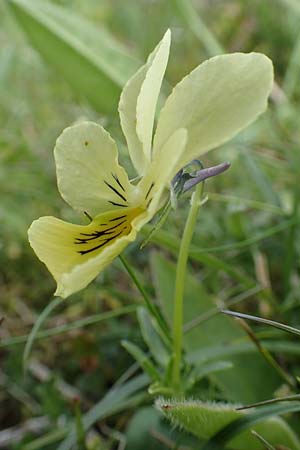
[208, 107]
[180, 282]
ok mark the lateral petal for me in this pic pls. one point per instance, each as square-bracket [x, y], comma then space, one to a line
[89, 176]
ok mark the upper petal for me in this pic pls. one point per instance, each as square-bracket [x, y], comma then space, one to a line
[75, 254]
[138, 104]
[88, 174]
[148, 96]
[215, 101]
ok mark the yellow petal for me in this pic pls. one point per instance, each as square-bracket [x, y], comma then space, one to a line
[75, 254]
[148, 96]
[138, 103]
[89, 176]
[215, 101]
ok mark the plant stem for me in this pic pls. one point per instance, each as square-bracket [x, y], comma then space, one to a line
[155, 312]
[180, 281]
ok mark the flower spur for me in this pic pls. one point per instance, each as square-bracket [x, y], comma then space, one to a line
[208, 107]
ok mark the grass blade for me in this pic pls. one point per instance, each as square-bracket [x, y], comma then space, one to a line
[195, 23]
[80, 323]
[263, 441]
[272, 323]
[117, 399]
[290, 82]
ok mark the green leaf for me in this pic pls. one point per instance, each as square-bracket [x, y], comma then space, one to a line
[93, 63]
[152, 338]
[148, 426]
[229, 349]
[47, 439]
[204, 420]
[207, 369]
[170, 242]
[142, 360]
[244, 382]
[120, 397]
[243, 423]
[117, 399]
[144, 421]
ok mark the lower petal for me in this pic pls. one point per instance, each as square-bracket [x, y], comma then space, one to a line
[75, 254]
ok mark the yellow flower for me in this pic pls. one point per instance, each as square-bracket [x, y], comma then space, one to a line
[209, 106]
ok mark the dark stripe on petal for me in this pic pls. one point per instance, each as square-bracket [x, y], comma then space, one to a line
[117, 218]
[118, 181]
[87, 215]
[97, 234]
[115, 191]
[84, 252]
[149, 190]
[117, 204]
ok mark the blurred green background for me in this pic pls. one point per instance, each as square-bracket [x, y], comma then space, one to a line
[247, 233]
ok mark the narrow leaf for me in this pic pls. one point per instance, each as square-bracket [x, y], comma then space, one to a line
[243, 423]
[117, 399]
[242, 383]
[93, 63]
[152, 338]
[142, 359]
[208, 369]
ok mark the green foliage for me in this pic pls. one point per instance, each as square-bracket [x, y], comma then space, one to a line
[206, 419]
[241, 383]
[142, 359]
[145, 420]
[152, 338]
[92, 61]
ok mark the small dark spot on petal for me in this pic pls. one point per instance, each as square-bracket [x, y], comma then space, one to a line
[86, 143]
